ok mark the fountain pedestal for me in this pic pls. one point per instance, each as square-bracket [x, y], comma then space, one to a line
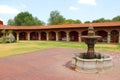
[91, 65]
[91, 61]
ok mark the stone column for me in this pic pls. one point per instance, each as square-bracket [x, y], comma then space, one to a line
[79, 36]
[47, 35]
[57, 38]
[67, 36]
[28, 35]
[119, 38]
[17, 36]
[39, 35]
[108, 37]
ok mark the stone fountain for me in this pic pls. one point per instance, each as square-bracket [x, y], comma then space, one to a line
[91, 61]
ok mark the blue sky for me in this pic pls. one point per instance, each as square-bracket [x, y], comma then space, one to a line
[71, 9]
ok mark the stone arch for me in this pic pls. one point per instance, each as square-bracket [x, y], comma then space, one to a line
[73, 36]
[62, 36]
[43, 35]
[103, 34]
[52, 36]
[23, 36]
[34, 35]
[114, 36]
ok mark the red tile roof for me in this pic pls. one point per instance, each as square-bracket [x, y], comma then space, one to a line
[105, 24]
[1, 22]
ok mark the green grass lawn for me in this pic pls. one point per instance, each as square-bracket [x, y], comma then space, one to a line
[22, 47]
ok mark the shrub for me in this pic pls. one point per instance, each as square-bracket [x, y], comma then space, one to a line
[10, 38]
[3, 39]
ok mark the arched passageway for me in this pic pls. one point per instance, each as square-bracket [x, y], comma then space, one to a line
[62, 36]
[23, 36]
[73, 36]
[1, 34]
[103, 34]
[43, 36]
[34, 36]
[84, 33]
[114, 36]
[52, 36]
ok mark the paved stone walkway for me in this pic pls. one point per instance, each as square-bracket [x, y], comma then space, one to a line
[52, 64]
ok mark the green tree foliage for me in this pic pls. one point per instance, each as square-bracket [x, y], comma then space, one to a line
[98, 20]
[71, 21]
[116, 19]
[87, 22]
[11, 22]
[38, 22]
[101, 20]
[25, 19]
[77, 21]
[56, 18]
[108, 20]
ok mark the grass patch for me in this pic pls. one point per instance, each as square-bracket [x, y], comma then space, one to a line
[22, 47]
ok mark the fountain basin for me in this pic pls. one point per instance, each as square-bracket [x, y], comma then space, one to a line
[91, 65]
[91, 37]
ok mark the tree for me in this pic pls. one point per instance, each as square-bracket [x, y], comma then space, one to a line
[11, 22]
[77, 21]
[115, 19]
[38, 22]
[108, 20]
[87, 22]
[101, 20]
[25, 19]
[98, 20]
[56, 18]
[71, 21]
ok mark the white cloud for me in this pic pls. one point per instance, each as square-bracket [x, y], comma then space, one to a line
[5, 9]
[73, 8]
[89, 2]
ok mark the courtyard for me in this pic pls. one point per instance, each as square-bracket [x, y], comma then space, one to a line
[51, 61]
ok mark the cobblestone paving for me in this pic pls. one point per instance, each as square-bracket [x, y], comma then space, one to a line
[52, 64]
